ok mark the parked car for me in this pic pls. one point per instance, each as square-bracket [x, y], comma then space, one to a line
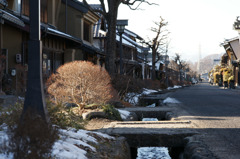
[194, 81]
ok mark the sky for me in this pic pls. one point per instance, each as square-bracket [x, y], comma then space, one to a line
[194, 25]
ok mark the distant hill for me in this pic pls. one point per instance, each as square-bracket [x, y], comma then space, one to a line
[206, 63]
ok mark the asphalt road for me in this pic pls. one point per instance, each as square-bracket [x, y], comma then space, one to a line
[216, 114]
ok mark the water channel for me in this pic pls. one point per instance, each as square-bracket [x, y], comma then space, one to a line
[152, 152]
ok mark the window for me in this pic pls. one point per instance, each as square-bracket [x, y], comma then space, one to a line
[44, 11]
[26, 9]
[17, 5]
[86, 33]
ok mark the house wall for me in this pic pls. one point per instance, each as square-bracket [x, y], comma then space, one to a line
[12, 40]
[54, 7]
[74, 21]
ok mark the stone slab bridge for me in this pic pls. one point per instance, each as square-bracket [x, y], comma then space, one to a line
[152, 133]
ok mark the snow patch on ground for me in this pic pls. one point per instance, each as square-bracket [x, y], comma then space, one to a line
[171, 100]
[133, 98]
[124, 114]
[72, 144]
[152, 105]
[148, 91]
[149, 119]
[153, 152]
[174, 87]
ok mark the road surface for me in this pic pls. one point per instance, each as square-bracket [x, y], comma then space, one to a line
[216, 114]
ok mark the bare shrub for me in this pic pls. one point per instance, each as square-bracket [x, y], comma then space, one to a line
[153, 84]
[80, 82]
[126, 84]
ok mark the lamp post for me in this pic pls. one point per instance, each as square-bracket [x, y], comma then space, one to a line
[166, 61]
[236, 26]
[120, 28]
[34, 98]
[145, 53]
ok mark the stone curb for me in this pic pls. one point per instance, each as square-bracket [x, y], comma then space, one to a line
[196, 149]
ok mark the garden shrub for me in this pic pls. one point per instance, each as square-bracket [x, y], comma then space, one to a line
[80, 82]
[10, 115]
[216, 77]
[111, 112]
[226, 76]
[64, 117]
[153, 84]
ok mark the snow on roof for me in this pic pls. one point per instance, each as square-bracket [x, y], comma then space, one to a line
[124, 41]
[130, 40]
[157, 65]
[132, 34]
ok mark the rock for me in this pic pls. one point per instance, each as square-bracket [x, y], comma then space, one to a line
[131, 117]
[112, 149]
[70, 105]
[168, 116]
[94, 114]
[196, 149]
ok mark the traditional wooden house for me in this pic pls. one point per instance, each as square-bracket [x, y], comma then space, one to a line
[66, 34]
[132, 63]
[232, 58]
[132, 60]
[160, 66]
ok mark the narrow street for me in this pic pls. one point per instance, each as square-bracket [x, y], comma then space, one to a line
[216, 114]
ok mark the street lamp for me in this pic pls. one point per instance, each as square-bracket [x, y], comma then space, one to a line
[236, 24]
[34, 98]
[120, 28]
[144, 53]
[166, 61]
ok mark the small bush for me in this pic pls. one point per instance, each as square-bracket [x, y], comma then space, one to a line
[64, 117]
[80, 82]
[111, 112]
[11, 115]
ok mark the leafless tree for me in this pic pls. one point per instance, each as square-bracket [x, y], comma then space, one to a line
[159, 44]
[181, 64]
[109, 9]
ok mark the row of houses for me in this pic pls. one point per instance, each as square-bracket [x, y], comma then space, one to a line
[231, 59]
[70, 30]
[227, 72]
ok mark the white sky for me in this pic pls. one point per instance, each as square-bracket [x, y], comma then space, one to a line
[192, 23]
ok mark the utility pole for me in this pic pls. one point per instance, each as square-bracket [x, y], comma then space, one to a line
[199, 59]
[35, 98]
